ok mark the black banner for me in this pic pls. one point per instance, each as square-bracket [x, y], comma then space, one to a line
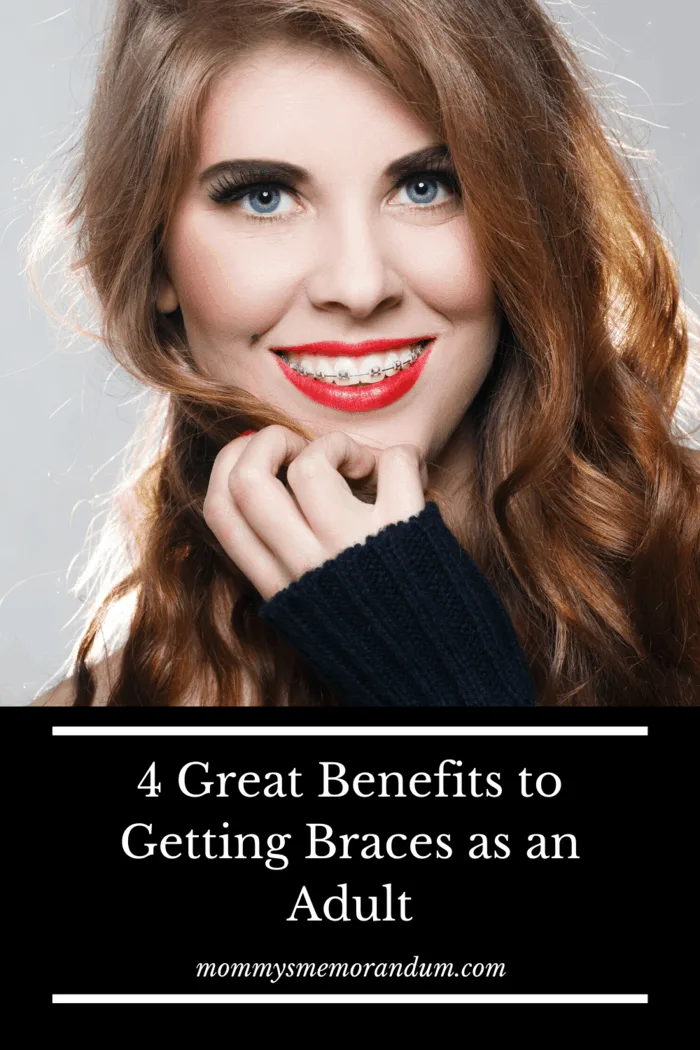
[444, 856]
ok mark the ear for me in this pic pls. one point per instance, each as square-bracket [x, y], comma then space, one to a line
[166, 296]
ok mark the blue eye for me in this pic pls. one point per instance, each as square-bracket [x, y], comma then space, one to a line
[263, 198]
[268, 205]
[427, 188]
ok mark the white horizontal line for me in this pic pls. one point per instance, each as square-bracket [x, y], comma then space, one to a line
[350, 730]
[351, 997]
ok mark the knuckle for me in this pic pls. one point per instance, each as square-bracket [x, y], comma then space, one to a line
[243, 480]
[343, 441]
[336, 439]
[248, 475]
[278, 431]
[404, 453]
[303, 467]
[212, 510]
[221, 457]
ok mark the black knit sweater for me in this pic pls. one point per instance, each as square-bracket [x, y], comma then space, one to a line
[405, 619]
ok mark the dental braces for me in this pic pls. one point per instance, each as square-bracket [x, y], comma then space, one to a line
[345, 374]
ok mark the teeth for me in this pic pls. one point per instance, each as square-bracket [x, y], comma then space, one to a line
[354, 371]
[344, 370]
[374, 365]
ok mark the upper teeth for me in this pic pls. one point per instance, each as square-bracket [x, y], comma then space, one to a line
[372, 368]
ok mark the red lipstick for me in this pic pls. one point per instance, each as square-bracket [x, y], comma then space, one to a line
[357, 398]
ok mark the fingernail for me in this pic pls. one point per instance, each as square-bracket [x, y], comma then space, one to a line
[246, 432]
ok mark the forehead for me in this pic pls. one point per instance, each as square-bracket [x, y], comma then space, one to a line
[307, 106]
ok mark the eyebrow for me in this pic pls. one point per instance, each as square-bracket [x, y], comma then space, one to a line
[437, 155]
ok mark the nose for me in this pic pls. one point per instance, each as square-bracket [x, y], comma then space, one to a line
[353, 269]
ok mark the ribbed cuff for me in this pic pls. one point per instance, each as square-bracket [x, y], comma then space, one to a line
[405, 618]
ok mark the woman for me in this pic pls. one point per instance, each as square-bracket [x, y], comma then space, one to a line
[263, 180]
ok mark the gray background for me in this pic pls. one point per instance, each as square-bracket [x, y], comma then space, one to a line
[64, 415]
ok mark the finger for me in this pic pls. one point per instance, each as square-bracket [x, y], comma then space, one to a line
[316, 479]
[401, 480]
[233, 532]
[268, 507]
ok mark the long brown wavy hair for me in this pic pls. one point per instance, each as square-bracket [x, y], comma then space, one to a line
[586, 510]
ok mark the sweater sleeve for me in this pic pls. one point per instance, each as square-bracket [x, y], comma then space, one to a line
[405, 619]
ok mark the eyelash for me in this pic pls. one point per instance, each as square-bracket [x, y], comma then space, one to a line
[228, 190]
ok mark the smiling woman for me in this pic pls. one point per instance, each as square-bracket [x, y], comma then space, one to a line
[417, 346]
[348, 238]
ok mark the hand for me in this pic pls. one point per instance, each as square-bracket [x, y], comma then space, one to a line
[275, 535]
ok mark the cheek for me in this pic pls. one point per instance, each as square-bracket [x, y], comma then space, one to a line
[228, 284]
[450, 276]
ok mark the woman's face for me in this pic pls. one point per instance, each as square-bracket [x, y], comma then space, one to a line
[346, 251]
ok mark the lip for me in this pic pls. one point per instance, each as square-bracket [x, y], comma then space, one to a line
[358, 398]
[371, 346]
